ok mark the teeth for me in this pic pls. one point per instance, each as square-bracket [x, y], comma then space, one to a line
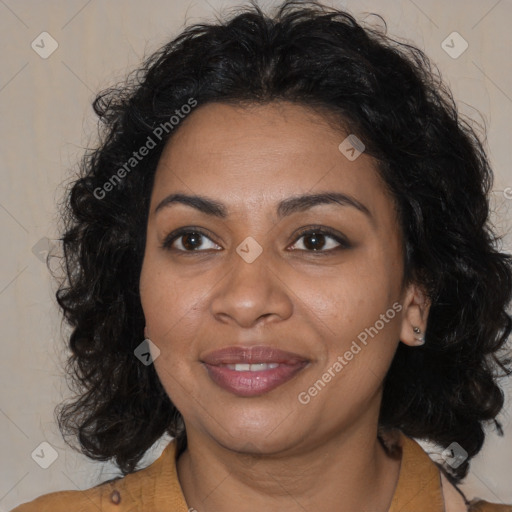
[258, 367]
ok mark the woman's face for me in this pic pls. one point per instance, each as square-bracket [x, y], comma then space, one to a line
[246, 276]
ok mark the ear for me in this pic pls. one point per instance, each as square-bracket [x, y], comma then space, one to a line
[416, 307]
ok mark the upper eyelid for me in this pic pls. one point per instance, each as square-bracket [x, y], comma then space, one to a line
[178, 233]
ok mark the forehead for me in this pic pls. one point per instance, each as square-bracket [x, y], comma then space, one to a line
[259, 154]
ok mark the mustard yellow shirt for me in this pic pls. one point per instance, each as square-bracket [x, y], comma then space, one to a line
[420, 488]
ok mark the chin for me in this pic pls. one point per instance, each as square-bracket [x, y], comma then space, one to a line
[259, 444]
[269, 434]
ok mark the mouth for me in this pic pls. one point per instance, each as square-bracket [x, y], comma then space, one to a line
[252, 371]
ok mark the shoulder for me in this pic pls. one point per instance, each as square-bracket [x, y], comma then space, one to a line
[455, 501]
[151, 487]
[423, 483]
[118, 495]
[484, 506]
[96, 498]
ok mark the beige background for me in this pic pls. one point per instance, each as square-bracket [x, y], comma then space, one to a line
[46, 120]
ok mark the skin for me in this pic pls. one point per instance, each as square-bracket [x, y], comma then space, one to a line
[271, 452]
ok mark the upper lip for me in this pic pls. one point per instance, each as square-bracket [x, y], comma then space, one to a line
[252, 355]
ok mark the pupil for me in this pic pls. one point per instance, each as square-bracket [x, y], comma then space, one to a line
[317, 241]
[191, 241]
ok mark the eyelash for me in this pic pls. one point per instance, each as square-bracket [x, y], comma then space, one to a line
[317, 230]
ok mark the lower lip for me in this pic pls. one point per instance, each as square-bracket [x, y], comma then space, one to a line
[253, 383]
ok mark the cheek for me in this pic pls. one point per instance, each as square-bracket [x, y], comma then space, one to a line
[358, 310]
[367, 348]
[165, 295]
[171, 306]
[352, 296]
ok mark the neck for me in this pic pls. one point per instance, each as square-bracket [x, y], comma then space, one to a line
[351, 471]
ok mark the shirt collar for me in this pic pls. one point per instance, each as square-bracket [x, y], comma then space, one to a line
[419, 481]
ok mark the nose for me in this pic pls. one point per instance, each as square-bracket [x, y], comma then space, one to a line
[251, 293]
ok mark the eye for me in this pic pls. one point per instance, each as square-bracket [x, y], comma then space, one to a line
[189, 240]
[320, 240]
[316, 239]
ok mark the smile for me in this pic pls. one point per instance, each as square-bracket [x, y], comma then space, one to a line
[252, 371]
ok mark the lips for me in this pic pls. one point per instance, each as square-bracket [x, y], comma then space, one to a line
[252, 371]
[250, 355]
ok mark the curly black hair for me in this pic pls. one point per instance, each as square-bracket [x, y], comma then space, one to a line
[387, 93]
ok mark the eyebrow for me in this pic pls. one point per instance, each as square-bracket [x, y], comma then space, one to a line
[285, 208]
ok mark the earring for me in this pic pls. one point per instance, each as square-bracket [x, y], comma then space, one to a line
[421, 339]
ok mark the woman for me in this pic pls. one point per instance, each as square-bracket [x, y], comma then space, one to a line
[292, 216]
